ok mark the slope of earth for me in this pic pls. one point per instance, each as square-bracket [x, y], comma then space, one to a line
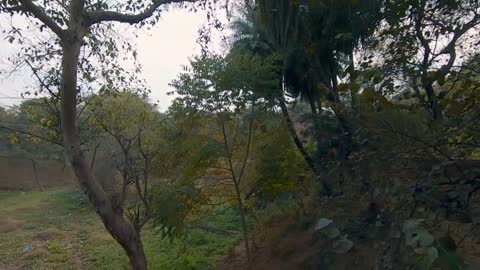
[291, 242]
[22, 174]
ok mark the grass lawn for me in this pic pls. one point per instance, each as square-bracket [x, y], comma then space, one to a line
[65, 233]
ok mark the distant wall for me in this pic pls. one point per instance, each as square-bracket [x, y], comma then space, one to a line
[19, 174]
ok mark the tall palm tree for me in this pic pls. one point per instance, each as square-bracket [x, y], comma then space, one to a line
[314, 39]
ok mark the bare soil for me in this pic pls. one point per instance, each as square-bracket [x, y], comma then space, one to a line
[19, 174]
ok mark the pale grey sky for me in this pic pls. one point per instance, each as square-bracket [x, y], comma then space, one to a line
[161, 51]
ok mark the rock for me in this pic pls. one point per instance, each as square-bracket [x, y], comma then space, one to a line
[331, 232]
[322, 223]
[326, 228]
[27, 249]
[342, 246]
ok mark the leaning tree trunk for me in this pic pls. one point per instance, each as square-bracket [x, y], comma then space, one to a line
[301, 147]
[111, 215]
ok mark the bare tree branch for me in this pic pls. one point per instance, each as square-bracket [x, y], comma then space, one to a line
[450, 48]
[28, 7]
[102, 16]
[31, 134]
[245, 160]
[42, 82]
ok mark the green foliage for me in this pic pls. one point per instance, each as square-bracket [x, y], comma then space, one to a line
[214, 83]
[173, 206]
[121, 113]
[279, 166]
[198, 250]
[31, 130]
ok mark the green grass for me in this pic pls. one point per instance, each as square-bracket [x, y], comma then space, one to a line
[67, 234]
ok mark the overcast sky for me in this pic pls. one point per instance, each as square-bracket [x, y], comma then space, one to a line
[162, 51]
